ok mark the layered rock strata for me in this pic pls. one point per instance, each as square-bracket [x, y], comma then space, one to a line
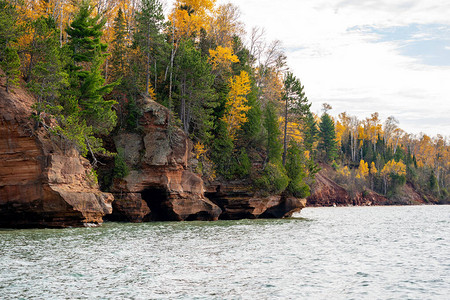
[239, 201]
[44, 182]
[159, 185]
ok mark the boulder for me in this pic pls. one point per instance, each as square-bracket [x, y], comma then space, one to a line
[160, 185]
[44, 182]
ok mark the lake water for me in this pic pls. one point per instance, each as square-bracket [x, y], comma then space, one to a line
[322, 253]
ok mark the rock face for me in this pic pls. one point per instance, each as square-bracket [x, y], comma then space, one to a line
[326, 192]
[43, 181]
[238, 201]
[159, 185]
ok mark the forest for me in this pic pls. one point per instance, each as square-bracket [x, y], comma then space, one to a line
[89, 63]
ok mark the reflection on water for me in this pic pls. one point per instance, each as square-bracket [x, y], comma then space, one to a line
[323, 253]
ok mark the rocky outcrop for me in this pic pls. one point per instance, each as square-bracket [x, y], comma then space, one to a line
[159, 186]
[326, 192]
[43, 181]
[238, 201]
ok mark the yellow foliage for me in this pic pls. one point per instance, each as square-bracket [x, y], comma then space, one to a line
[222, 58]
[189, 16]
[340, 130]
[151, 92]
[344, 171]
[306, 154]
[199, 150]
[393, 167]
[236, 105]
[373, 169]
[363, 170]
[225, 24]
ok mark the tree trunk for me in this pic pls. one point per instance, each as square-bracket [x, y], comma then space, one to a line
[156, 77]
[147, 76]
[285, 132]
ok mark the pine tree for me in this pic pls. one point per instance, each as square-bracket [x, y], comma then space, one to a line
[274, 147]
[295, 105]
[119, 47]
[150, 39]
[310, 133]
[327, 134]
[194, 94]
[47, 77]
[9, 33]
[295, 169]
[87, 84]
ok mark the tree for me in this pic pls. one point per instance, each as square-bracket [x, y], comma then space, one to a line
[363, 170]
[119, 47]
[9, 33]
[10, 63]
[327, 142]
[236, 105]
[48, 77]
[274, 147]
[296, 171]
[195, 95]
[310, 133]
[87, 84]
[149, 37]
[295, 105]
[391, 171]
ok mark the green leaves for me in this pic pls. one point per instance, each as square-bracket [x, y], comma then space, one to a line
[327, 142]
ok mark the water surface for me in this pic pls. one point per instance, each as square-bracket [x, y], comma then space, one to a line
[322, 253]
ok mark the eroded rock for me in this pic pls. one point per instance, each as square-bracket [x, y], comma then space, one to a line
[44, 182]
[158, 158]
[239, 201]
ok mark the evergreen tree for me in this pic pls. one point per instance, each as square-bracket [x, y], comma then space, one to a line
[87, 54]
[119, 47]
[295, 170]
[194, 94]
[295, 105]
[150, 39]
[47, 77]
[222, 150]
[9, 33]
[274, 147]
[310, 133]
[327, 134]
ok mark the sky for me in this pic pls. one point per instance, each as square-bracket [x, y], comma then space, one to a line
[365, 56]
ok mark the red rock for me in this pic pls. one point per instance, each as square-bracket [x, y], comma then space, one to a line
[238, 200]
[326, 192]
[158, 158]
[44, 182]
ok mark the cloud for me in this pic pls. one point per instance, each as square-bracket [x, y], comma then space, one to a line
[366, 56]
[363, 56]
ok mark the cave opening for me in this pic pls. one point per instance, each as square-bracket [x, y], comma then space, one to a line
[157, 200]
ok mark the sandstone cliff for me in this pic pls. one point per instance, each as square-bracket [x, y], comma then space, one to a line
[44, 182]
[159, 186]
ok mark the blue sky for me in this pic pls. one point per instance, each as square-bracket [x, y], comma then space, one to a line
[362, 56]
[429, 43]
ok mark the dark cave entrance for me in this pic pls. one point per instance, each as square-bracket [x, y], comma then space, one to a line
[157, 200]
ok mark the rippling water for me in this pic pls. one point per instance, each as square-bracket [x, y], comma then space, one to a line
[323, 253]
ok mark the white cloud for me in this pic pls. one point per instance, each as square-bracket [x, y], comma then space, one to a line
[347, 69]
